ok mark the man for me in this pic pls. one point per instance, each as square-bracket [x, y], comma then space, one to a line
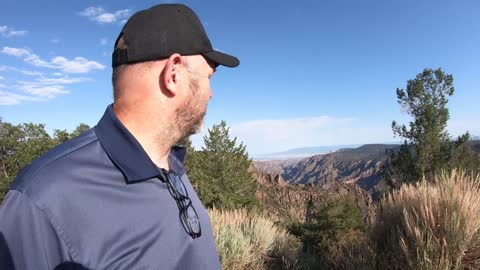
[117, 197]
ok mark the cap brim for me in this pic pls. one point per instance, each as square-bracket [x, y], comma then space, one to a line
[222, 59]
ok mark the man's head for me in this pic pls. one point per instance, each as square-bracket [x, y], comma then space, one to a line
[162, 64]
[190, 115]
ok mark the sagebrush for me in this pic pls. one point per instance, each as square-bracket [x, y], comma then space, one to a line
[249, 241]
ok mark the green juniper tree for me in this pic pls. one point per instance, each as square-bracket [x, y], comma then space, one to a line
[327, 227]
[427, 146]
[219, 172]
[21, 144]
[61, 136]
[79, 130]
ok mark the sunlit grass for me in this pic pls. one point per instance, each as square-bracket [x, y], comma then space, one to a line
[250, 241]
[432, 225]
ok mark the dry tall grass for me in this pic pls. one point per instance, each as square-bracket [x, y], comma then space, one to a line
[431, 225]
[248, 241]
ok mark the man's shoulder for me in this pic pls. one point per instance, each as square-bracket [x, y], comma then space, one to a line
[54, 161]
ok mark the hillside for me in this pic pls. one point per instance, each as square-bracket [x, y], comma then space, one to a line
[350, 165]
[476, 145]
[360, 166]
[284, 201]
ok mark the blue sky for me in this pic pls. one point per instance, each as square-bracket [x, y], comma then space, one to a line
[312, 73]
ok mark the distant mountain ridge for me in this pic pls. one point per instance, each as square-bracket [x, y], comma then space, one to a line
[361, 166]
[302, 152]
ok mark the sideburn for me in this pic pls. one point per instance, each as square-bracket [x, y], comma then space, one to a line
[189, 117]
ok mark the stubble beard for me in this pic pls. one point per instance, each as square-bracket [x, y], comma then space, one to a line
[190, 116]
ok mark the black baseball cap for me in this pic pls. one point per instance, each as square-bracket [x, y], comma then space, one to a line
[162, 30]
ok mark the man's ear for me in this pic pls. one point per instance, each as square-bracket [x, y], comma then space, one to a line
[172, 74]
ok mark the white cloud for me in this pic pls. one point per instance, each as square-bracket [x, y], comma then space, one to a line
[41, 88]
[106, 18]
[281, 134]
[55, 40]
[9, 98]
[46, 91]
[123, 13]
[63, 80]
[15, 51]
[91, 11]
[2, 78]
[22, 71]
[103, 41]
[277, 135]
[30, 58]
[99, 15]
[76, 66]
[17, 33]
[48, 87]
[10, 32]
[35, 60]
[28, 72]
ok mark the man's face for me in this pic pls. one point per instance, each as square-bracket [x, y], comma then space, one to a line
[191, 114]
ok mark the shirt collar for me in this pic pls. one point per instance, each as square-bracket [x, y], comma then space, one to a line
[126, 152]
[176, 159]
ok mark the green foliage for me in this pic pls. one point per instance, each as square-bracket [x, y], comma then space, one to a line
[329, 230]
[219, 172]
[21, 144]
[461, 155]
[61, 136]
[79, 130]
[427, 147]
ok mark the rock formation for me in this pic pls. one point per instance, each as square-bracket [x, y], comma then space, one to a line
[292, 202]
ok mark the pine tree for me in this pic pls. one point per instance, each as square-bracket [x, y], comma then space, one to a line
[427, 147]
[219, 172]
[193, 166]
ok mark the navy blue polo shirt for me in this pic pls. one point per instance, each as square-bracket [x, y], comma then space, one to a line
[98, 202]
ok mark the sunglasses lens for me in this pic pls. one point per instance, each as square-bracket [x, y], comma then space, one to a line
[188, 214]
[192, 218]
[177, 182]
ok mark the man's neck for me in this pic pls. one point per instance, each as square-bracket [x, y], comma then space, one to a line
[155, 137]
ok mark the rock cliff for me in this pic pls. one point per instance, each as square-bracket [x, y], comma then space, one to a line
[282, 201]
